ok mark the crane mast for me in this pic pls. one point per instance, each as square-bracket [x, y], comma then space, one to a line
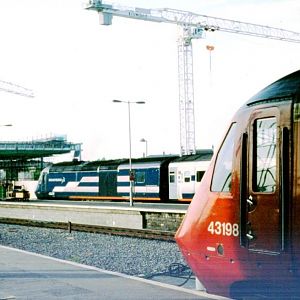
[193, 26]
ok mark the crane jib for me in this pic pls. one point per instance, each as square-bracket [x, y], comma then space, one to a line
[186, 18]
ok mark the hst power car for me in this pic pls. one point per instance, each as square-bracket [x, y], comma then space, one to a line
[241, 234]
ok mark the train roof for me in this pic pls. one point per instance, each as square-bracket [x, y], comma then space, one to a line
[67, 166]
[107, 164]
[87, 165]
[286, 87]
[203, 154]
[103, 164]
[154, 158]
[75, 165]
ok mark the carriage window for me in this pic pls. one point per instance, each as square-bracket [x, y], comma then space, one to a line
[199, 175]
[264, 155]
[187, 176]
[221, 181]
[172, 177]
[140, 177]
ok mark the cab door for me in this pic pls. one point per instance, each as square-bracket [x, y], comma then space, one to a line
[172, 183]
[175, 178]
[263, 203]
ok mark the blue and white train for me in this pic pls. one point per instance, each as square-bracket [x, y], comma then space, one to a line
[157, 178]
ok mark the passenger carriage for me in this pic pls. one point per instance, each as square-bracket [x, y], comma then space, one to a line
[150, 178]
[185, 174]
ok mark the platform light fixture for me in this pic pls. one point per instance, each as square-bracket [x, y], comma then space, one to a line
[131, 175]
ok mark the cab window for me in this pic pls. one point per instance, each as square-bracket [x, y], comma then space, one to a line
[221, 181]
[264, 155]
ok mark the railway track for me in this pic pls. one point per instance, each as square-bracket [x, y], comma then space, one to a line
[139, 233]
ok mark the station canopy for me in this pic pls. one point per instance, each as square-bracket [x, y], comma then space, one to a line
[18, 150]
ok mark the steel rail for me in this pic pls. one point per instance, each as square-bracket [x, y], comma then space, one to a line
[137, 233]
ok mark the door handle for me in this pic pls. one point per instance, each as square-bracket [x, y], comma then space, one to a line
[250, 201]
[250, 236]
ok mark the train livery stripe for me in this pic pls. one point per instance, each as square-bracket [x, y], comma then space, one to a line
[88, 189]
[188, 195]
[80, 197]
[183, 200]
[143, 188]
[88, 184]
[123, 183]
[125, 198]
[89, 179]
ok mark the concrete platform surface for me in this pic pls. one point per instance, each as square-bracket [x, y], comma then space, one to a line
[25, 275]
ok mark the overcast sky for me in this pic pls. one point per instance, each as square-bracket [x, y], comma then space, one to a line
[76, 67]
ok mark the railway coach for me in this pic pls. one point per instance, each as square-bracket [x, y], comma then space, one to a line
[185, 174]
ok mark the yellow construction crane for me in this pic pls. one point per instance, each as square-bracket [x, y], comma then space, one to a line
[193, 26]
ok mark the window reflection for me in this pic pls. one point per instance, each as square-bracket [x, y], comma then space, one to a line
[264, 158]
[221, 181]
[139, 177]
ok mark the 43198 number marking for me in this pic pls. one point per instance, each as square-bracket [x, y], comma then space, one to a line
[223, 228]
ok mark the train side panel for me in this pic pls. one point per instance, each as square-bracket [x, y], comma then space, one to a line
[73, 184]
[108, 183]
[295, 210]
[146, 181]
[96, 180]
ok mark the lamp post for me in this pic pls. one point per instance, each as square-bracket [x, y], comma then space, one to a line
[146, 142]
[131, 177]
[210, 48]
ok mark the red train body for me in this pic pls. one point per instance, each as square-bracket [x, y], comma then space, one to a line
[241, 233]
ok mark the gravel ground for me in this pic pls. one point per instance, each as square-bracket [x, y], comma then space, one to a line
[139, 257]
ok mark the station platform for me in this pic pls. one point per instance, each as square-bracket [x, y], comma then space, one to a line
[157, 216]
[26, 275]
